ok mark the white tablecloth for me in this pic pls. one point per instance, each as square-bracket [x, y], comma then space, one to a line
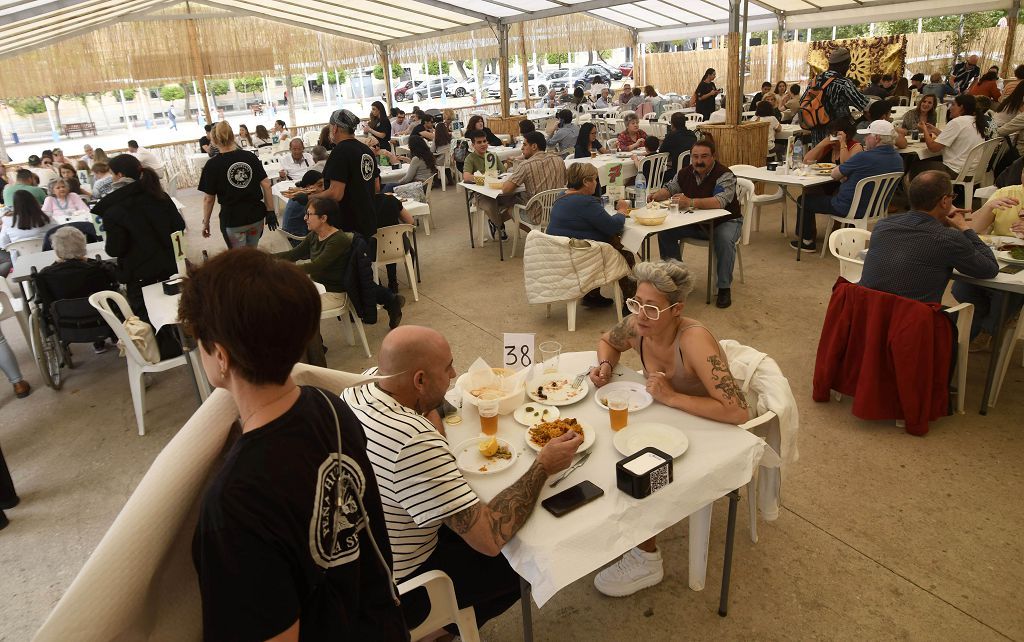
[919, 148]
[552, 553]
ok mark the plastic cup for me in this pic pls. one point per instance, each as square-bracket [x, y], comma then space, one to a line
[618, 410]
[673, 207]
[487, 406]
[549, 354]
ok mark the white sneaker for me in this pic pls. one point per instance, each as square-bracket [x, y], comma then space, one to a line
[635, 571]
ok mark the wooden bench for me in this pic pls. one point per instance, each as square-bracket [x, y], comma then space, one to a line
[79, 128]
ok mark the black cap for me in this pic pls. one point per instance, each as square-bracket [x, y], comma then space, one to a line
[309, 178]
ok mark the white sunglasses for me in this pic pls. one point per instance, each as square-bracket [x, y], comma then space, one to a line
[652, 312]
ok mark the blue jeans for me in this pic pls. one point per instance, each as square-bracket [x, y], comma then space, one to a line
[294, 219]
[244, 235]
[726, 235]
[8, 364]
[986, 303]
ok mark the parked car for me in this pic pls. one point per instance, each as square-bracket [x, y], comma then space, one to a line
[434, 88]
[582, 77]
[403, 91]
[627, 69]
[467, 86]
[538, 86]
[612, 72]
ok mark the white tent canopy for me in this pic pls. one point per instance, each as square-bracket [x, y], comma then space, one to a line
[28, 25]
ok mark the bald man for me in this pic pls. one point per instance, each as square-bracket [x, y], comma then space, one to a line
[422, 488]
[965, 73]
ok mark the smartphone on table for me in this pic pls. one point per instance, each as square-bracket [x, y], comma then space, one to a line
[572, 498]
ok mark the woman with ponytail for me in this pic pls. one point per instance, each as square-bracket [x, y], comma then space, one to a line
[965, 129]
[138, 220]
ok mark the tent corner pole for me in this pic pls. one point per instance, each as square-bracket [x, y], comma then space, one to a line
[1011, 34]
[733, 89]
[503, 67]
[385, 62]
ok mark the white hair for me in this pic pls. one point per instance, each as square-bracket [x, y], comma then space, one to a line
[672, 278]
[628, 117]
[68, 243]
[886, 139]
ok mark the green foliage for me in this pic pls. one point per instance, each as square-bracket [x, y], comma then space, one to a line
[298, 81]
[338, 78]
[434, 69]
[248, 84]
[895, 27]
[604, 54]
[852, 31]
[557, 58]
[468, 64]
[396, 71]
[171, 92]
[129, 94]
[216, 87]
[27, 106]
[821, 33]
[963, 29]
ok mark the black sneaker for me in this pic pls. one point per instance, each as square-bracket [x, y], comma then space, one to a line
[394, 309]
[8, 504]
[595, 300]
[724, 298]
[492, 228]
[811, 247]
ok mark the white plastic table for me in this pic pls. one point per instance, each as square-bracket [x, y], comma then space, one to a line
[785, 181]
[551, 553]
[488, 192]
[603, 161]
[918, 148]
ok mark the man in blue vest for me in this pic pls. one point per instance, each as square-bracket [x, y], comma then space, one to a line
[703, 185]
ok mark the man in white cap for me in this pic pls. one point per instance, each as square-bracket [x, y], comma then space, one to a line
[879, 157]
[839, 92]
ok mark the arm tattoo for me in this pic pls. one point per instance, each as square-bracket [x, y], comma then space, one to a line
[726, 383]
[619, 336]
[510, 508]
[463, 520]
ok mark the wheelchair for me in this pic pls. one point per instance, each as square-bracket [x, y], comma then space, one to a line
[54, 327]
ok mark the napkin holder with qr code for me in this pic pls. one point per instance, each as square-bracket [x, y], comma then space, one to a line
[644, 472]
[173, 286]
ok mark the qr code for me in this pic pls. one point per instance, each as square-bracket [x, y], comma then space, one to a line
[659, 478]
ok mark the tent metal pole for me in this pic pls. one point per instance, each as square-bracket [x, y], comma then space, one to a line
[1011, 35]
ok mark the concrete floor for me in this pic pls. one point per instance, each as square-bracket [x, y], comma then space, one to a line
[882, 535]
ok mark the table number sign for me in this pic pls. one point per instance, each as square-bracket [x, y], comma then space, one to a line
[178, 245]
[518, 350]
[491, 164]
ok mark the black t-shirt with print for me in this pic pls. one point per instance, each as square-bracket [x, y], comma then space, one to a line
[388, 209]
[203, 142]
[235, 178]
[263, 546]
[354, 164]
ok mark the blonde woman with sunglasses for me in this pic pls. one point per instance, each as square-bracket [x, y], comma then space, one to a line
[685, 369]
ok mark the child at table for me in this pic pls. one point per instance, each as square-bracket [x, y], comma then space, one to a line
[64, 202]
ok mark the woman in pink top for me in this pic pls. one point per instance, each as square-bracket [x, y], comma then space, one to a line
[63, 202]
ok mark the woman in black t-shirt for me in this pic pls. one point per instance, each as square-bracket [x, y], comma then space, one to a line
[378, 125]
[291, 539]
[587, 142]
[236, 179]
[391, 211]
[706, 93]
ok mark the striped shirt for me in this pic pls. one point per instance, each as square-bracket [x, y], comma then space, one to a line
[419, 481]
[839, 97]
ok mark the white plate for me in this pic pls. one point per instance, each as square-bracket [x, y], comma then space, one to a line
[469, 459]
[636, 437]
[639, 398]
[529, 418]
[589, 437]
[564, 396]
[1006, 257]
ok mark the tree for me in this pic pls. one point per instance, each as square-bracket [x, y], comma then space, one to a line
[966, 30]
[337, 77]
[84, 99]
[248, 84]
[171, 93]
[55, 99]
[396, 71]
[436, 70]
[25, 107]
[557, 58]
[217, 87]
[896, 27]
[462, 66]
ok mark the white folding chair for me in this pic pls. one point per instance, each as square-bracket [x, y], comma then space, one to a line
[104, 302]
[846, 245]
[694, 118]
[658, 163]
[546, 200]
[12, 307]
[392, 250]
[348, 318]
[883, 186]
[757, 202]
[744, 192]
[975, 170]
[444, 607]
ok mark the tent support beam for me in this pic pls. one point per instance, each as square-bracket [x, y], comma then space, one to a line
[1011, 35]
[525, 70]
[289, 93]
[198, 72]
[780, 50]
[733, 90]
[385, 62]
[502, 30]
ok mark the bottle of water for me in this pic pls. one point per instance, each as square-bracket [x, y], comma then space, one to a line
[641, 190]
[798, 154]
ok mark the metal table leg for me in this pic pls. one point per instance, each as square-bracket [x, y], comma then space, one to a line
[416, 255]
[199, 383]
[469, 215]
[993, 361]
[730, 536]
[525, 595]
[711, 256]
[799, 229]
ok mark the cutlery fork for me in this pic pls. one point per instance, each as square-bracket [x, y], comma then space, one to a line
[579, 378]
[582, 460]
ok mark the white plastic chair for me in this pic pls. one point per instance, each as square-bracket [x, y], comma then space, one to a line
[744, 192]
[27, 246]
[758, 201]
[172, 183]
[444, 607]
[613, 144]
[883, 186]
[12, 307]
[657, 173]
[427, 215]
[137, 366]
[444, 162]
[391, 250]
[747, 115]
[973, 173]
[846, 245]
[546, 199]
[311, 138]
[1005, 357]
[694, 118]
[940, 114]
[348, 318]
